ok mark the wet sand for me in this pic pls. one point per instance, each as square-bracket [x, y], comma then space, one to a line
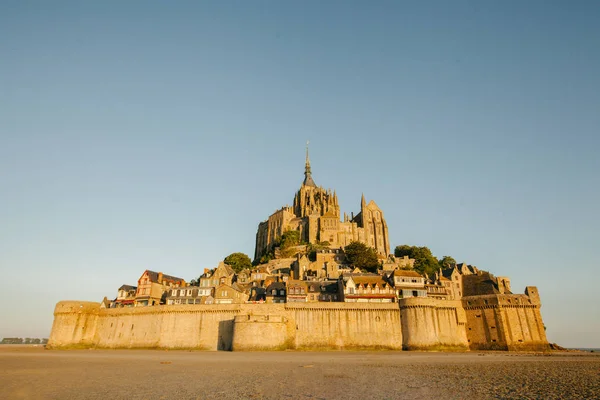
[35, 373]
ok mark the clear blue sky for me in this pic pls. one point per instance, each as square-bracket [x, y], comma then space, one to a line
[157, 135]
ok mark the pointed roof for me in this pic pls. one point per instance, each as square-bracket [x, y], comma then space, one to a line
[153, 276]
[308, 180]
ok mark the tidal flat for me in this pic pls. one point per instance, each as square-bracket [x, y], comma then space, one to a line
[36, 373]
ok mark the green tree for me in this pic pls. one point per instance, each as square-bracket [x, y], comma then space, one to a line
[289, 239]
[287, 243]
[425, 262]
[447, 262]
[362, 256]
[238, 261]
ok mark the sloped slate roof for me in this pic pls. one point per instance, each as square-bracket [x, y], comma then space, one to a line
[154, 277]
[404, 272]
[276, 285]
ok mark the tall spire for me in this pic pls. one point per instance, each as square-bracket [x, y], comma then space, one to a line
[308, 180]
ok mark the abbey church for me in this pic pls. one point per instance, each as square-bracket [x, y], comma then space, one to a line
[316, 215]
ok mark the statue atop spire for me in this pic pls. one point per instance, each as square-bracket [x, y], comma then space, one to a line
[308, 180]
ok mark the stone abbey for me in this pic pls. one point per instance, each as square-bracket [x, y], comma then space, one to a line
[324, 303]
[316, 215]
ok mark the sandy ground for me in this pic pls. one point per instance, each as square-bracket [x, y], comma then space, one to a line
[35, 373]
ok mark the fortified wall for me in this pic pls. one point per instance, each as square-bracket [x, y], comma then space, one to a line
[484, 322]
[505, 321]
[433, 324]
[228, 326]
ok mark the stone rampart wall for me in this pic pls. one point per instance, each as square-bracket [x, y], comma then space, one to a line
[346, 325]
[415, 323]
[504, 322]
[430, 324]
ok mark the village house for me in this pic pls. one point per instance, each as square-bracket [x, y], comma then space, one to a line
[296, 291]
[438, 286]
[260, 274]
[105, 303]
[328, 264]
[331, 291]
[282, 274]
[223, 274]
[455, 277]
[367, 288]
[437, 291]
[225, 294]
[313, 291]
[125, 296]
[189, 295]
[324, 291]
[408, 283]
[257, 295]
[244, 276]
[276, 292]
[206, 291]
[152, 285]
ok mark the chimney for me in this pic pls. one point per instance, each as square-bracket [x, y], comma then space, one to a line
[206, 270]
[160, 277]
